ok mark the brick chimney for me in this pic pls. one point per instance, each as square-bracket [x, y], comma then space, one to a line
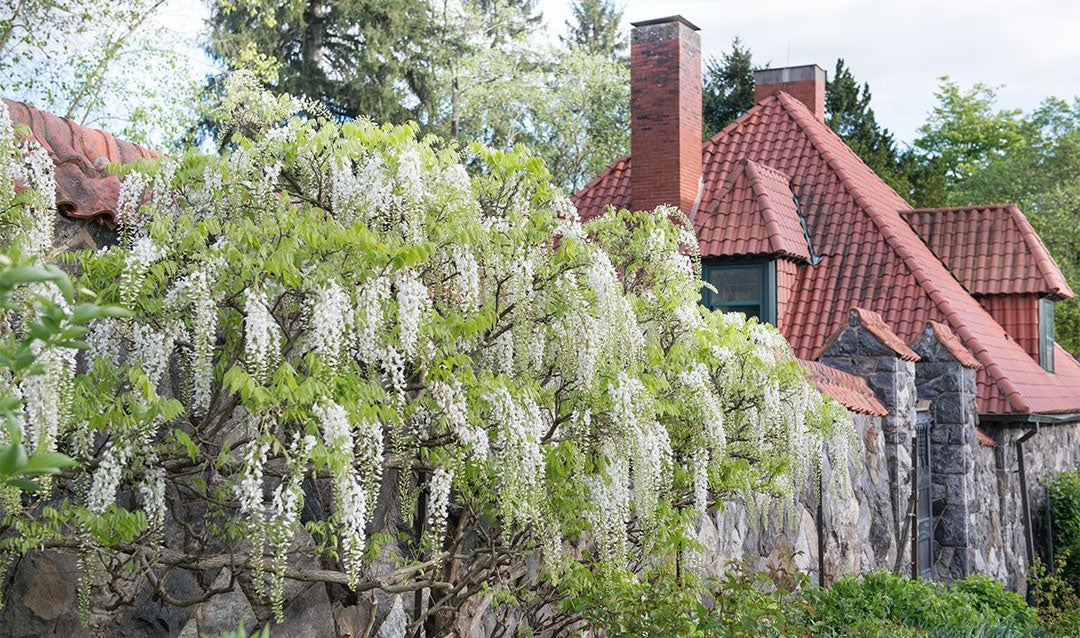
[665, 113]
[804, 83]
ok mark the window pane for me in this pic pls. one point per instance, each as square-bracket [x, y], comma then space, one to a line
[738, 285]
[1046, 334]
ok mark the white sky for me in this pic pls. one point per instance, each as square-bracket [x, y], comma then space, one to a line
[900, 47]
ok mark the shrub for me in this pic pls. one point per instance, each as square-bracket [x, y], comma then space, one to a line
[1064, 504]
[991, 600]
[884, 604]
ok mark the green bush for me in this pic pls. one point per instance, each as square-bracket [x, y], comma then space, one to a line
[992, 600]
[749, 602]
[882, 604]
[1054, 599]
[1064, 504]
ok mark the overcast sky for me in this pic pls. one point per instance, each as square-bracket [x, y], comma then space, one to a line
[901, 47]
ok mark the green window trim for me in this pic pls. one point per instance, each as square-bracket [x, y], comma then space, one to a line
[1046, 334]
[743, 285]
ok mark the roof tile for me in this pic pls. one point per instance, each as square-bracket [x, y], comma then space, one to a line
[952, 343]
[754, 214]
[850, 391]
[871, 257]
[992, 249]
[83, 189]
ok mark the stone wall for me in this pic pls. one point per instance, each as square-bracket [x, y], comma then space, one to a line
[1053, 449]
[949, 387]
[857, 520]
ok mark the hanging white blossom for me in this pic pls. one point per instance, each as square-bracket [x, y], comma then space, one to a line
[370, 317]
[467, 281]
[143, 254]
[46, 397]
[262, 336]
[332, 324]
[441, 480]
[451, 400]
[152, 490]
[106, 479]
[413, 302]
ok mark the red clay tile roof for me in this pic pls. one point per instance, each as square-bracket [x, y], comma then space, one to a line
[992, 250]
[754, 214]
[610, 188]
[952, 343]
[870, 257]
[850, 391]
[83, 190]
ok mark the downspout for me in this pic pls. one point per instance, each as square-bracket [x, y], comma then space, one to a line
[914, 521]
[1029, 542]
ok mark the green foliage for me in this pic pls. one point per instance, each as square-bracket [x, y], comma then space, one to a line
[884, 604]
[103, 64]
[1055, 599]
[357, 58]
[50, 325]
[848, 112]
[964, 136]
[624, 604]
[751, 602]
[728, 90]
[1064, 504]
[596, 28]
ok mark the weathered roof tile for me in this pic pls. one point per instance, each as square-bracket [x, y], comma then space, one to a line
[992, 249]
[83, 189]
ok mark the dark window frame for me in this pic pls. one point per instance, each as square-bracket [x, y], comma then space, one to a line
[766, 304]
[1046, 334]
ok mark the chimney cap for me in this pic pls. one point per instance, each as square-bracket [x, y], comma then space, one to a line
[669, 19]
[789, 74]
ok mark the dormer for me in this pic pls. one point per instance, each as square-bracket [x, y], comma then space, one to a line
[994, 252]
[753, 238]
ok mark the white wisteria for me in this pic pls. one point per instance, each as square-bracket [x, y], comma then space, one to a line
[327, 305]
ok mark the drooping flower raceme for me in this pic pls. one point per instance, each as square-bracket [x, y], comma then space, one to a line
[413, 302]
[332, 324]
[262, 335]
[441, 480]
[106, 478]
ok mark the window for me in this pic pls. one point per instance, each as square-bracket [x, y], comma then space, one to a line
[748, 287]
[1046, 334]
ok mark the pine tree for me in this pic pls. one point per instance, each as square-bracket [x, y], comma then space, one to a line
[374, 58]
[596, 28]
[728, 88]
[848, 112]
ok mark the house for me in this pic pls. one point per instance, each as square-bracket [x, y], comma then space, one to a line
[947, 315]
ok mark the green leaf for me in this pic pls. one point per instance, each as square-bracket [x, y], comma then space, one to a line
[25, 485]
[12, 459]
[22, 275]
[183, 439]
[48, 463]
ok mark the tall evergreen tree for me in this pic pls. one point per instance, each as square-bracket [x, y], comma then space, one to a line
[373, 58]
[728, 89]
[596, 28]
[848, 112]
